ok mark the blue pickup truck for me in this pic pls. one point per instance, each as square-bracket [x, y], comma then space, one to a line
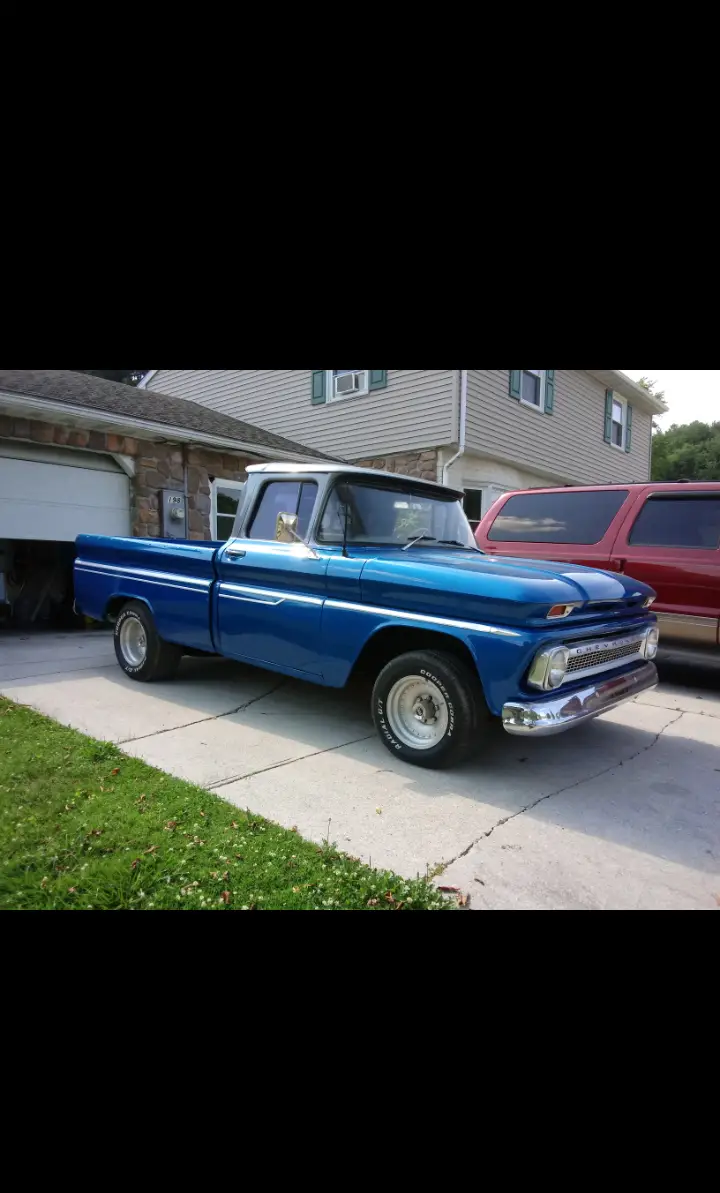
[334, 570]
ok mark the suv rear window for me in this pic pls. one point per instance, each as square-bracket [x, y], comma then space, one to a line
[557, 517]
[669, 521]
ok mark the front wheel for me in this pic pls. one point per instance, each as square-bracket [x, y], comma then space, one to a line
[139, 649]
[428, 707]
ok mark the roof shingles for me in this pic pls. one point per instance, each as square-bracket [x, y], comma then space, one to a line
[111, 397]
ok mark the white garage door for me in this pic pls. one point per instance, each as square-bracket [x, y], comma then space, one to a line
[54, 494]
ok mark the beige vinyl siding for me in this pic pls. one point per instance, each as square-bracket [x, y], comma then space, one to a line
[413, 412]
[568, 444]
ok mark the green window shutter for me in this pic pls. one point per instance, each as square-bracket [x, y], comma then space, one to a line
[317, 390]
[377, 379]
[628, 429]
[549, 390]
[515, 383]
[608, 415]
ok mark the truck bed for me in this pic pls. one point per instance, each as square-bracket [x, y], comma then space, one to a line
[173, 576]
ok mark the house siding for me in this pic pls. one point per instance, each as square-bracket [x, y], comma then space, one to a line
[415, 411]
[568, 444]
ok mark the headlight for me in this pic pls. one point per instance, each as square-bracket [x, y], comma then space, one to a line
[557, 666]
[648, 601]
[651, 642]
[549, 667]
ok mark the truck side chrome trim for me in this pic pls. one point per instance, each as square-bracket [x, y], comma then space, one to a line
[426, 617]
[141, 579]
[247, 592]
[541, 718]
[248, 600]
[144, 573]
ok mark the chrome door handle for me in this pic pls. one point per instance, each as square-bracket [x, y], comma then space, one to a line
[233, 553]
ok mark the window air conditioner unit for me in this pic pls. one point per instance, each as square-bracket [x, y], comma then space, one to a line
[347, 383]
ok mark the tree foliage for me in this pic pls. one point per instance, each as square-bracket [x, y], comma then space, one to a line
[689, 452]
[649, 385]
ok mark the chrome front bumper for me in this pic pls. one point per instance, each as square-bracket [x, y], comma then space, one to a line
[554, 714]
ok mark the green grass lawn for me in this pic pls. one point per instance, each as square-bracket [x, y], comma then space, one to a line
[83, 826]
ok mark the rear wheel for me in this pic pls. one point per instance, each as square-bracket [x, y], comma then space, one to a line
[428, 708]
[140, 651]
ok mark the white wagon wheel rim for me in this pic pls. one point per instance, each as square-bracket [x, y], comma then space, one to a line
[133, 641]
[417, 712]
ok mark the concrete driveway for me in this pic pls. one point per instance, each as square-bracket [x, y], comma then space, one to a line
[622, 813]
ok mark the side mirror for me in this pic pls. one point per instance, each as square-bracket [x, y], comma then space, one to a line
[286, 528]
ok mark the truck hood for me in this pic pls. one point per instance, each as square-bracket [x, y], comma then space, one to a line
[466, 584]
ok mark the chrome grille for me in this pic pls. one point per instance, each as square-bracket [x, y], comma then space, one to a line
[588, 658]
[596, 658]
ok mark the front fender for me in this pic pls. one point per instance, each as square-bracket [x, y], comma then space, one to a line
[347, 628]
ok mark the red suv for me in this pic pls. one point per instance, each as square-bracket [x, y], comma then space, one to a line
[667, 535]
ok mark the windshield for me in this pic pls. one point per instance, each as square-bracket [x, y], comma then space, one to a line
[393, 516]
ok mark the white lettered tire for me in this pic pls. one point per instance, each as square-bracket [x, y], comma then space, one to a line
[428, 708]
[139, 649]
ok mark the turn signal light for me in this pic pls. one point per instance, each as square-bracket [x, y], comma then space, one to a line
[562, 610]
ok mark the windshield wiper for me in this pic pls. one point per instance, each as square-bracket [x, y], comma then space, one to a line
[430, 538]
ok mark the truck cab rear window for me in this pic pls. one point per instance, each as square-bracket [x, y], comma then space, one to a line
[669, 521]
[557, 517]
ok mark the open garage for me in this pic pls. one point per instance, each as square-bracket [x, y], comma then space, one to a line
[54, 494]
[83, 455]
[49, 495]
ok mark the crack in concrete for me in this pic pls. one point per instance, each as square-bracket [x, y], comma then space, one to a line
[64, 674]
[288, 762]
[201, 720]
[569, 787]
[691, 712]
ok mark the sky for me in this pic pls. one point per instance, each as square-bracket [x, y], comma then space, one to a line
[689, 393]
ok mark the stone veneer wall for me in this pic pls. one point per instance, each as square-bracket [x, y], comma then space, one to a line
[423, 464]
[157, 466]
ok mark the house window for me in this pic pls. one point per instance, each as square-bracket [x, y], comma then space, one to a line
[478, 501]
[619, 421]
[532, 388]
[473, 506]
[225, 497]
[347, 383]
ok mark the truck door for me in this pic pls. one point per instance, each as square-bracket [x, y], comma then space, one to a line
[270, 594]
[671, 541]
